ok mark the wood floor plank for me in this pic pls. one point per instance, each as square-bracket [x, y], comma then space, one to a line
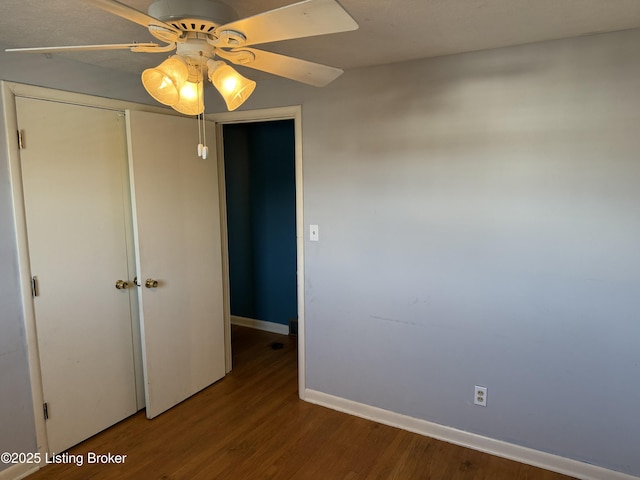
[251, 425]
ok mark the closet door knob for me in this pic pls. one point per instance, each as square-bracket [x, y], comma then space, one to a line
[151, 283]
[121, 285]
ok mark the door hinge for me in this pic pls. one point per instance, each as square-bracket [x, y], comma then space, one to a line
[35, 288]
[45, 409]
[21, 143]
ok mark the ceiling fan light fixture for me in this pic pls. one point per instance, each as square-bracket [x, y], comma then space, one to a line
[234, 88]
[165, 81]
[191, 98]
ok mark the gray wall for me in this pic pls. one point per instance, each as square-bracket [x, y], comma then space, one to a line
[17, 429]
[73, 76]
[479, 224]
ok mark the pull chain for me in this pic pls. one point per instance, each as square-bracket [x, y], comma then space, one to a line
[199, 136]
[203, 150]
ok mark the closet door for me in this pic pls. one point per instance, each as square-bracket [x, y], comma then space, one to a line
[74, 169]
[177, 232]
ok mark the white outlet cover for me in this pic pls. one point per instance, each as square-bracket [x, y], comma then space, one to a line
[480, 396]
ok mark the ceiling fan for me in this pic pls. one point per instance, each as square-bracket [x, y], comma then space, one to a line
[206, 33]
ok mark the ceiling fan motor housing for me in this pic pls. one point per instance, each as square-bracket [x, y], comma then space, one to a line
[192, 15]
[196, 51]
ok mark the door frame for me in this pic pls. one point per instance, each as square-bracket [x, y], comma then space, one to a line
[252, 116]
[9, 92]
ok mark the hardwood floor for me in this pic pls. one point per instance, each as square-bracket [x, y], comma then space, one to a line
[251, 425]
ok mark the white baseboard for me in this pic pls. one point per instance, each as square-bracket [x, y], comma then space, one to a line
[260, 325]
[499, 448]
[18, 471]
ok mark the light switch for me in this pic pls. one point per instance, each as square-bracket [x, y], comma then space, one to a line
[313, 233]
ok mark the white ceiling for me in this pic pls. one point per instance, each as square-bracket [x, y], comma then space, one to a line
[390, 30]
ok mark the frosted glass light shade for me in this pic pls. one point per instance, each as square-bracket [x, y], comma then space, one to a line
[165, 81]
[234, 88]
[191, 99]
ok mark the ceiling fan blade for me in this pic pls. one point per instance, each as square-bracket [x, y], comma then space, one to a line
[86, 48]
[131, 14]
[304, 19]
[288, 67]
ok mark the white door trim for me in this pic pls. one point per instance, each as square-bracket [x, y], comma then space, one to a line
[24, 268]
[9, 92]
[281, 113]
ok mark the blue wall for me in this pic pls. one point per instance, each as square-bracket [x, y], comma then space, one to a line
[260, 179]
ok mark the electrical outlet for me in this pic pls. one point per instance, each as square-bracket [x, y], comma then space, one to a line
[480, 396]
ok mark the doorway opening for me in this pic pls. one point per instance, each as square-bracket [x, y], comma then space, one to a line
[259, 162]
[263, 241]
[260, 188]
